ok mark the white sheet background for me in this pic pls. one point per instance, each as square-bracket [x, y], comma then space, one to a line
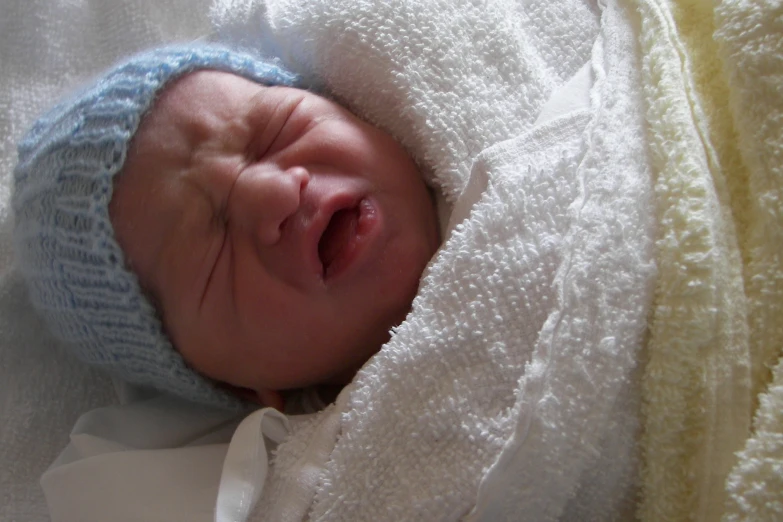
[47, 46]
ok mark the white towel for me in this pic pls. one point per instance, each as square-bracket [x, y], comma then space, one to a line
[516, 369]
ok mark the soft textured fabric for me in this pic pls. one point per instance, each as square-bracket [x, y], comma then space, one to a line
[64, 239]
[712, 76]
[156, 458]
[697, 397]
[750, 39]
[510, 392]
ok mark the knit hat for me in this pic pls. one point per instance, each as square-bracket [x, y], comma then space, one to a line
[65, 243]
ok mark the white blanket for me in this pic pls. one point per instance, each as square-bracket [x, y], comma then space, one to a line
[510, 391]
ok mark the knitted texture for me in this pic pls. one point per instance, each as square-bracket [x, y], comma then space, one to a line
[64, 240]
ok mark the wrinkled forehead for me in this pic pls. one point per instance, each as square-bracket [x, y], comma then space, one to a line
[209, 111]
[197, 106]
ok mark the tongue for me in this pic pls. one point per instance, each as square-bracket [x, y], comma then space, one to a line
[338, 233]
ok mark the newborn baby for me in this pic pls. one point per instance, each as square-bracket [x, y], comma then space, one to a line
[195, 223]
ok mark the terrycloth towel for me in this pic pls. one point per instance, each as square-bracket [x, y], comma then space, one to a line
[750, 38]
[696, 384]
[510, 391]
[713, 77]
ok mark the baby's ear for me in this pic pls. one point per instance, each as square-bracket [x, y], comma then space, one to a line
[264, 397]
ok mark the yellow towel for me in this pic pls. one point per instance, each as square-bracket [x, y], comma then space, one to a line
[750, 39]
[717, 324]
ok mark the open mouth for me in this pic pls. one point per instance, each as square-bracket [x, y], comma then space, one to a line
[338, 239]
[348, 237]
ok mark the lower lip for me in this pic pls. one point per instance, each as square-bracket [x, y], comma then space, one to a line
[355, 251]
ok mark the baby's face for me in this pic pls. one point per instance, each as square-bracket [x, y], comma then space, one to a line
[281, 236]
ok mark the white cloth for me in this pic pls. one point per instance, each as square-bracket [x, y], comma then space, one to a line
[161, 458]
[153, 459]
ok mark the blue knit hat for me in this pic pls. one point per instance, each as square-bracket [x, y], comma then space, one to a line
[65, 243]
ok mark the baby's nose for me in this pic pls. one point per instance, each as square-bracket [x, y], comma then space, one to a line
[264, 199]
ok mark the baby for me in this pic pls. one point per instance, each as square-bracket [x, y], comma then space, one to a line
[197, 223]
